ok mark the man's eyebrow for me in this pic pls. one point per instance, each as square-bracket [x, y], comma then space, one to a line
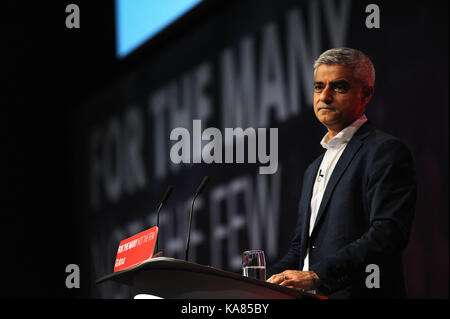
[340, 82]
[334, 82]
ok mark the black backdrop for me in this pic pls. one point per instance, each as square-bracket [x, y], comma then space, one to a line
[65, 85]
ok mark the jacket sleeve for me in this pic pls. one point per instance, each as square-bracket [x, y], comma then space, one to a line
[390, 197]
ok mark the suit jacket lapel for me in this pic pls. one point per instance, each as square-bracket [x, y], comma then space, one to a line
[309, 186]
[352, 148]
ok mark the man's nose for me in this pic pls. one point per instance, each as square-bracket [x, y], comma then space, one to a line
[326, 96]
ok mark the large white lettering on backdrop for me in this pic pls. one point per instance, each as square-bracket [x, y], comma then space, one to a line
[249, 90]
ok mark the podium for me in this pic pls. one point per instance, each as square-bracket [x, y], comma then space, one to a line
[177, 279]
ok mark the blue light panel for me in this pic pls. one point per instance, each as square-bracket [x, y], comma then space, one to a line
[139, 20]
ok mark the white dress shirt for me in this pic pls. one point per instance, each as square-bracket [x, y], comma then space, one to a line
[334, 149]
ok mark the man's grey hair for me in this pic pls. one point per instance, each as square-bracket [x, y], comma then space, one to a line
[361, 64]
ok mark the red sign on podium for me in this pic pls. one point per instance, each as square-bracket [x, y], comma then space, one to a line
[136, 249]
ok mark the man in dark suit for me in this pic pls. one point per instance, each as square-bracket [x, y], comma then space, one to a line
[358, 197]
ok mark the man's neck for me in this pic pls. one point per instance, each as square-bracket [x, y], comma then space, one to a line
[332, 133]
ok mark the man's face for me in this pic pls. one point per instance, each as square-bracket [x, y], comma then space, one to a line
[339, 98]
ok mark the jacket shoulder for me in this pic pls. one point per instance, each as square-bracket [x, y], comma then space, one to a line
[379, 142]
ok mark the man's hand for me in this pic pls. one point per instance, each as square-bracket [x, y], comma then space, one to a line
[296, 279]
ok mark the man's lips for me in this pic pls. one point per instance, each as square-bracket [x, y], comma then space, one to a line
[327, 108]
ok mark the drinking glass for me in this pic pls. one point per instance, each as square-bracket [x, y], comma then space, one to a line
[254, 264]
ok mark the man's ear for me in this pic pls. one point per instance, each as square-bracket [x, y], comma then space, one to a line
[367, 94]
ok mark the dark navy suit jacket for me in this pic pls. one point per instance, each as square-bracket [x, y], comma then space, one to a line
[364, 218]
